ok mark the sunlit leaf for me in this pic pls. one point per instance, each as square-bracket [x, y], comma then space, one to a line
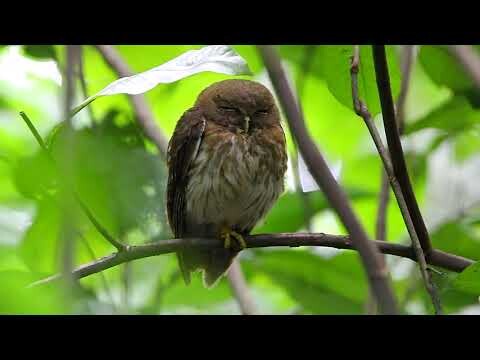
[41, 51]
[216, 58]
[16, 298]
[455, 115]
[335, 63]
[458, 239]
[443, 69]
[288, 214]
[321, 286]
[469, 280]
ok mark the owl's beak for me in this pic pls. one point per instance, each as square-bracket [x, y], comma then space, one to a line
[247, 123]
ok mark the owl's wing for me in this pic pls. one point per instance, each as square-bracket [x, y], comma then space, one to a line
[182, 150]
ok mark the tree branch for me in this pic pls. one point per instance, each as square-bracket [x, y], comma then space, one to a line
[371, 258]
[67, 234]
[383, 198]
[145, 116]
[395, 147]
[361, 110]
[240, 289]
[469, 59]
[159, 247]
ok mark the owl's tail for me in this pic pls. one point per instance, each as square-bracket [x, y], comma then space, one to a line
[213, 262]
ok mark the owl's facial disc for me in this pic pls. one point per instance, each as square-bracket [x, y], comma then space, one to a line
[237, 116]
[240, 105]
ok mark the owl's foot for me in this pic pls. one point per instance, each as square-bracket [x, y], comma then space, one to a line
[226, 235]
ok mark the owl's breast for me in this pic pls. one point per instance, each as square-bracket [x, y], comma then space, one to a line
[234, 180]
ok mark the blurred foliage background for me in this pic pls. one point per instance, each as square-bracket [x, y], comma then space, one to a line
[121, 178]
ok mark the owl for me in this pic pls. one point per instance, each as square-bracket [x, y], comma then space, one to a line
[226, 165]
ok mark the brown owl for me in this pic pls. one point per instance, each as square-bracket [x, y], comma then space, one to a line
[226, 162]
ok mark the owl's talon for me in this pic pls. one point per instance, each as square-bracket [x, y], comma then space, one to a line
[240, 239]
[227, 242]
[227, 234]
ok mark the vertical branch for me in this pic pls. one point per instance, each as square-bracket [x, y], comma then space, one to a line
[395, 146]
[126, 280]
[83, 82]
[370, 256]
[407, 57]
[408, 54]
[362, 110]
[383, 198]
[305, 197]
[67, 234]
[239, 286]
[102, 275]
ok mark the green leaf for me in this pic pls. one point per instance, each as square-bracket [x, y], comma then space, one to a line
[467, 144]
[457, 238]
[41, 52]
[288, 213]
[455, 115]
[16, 298]
[335, 67]
[321, 286]
[443, 69]
[216, 58]
[468, 280]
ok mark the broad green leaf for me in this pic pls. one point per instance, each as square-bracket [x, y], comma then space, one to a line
[335, 65]
[217, 58]
[16, 298]
[288, 213]
[455, 115]
[469, 280]
[467, 144]
[457, 238]
[10, 260]
[443, 69]
[321, 286]
[41, 52]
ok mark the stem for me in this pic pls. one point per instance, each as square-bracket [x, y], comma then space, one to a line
[395, 146]
[240, 289]
[362, 110]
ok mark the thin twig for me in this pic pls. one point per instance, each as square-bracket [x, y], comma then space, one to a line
[371, 258]
[362, 110]
[304, 196]
[126, 280]
[86, 210]
[102, 275]
[383, 198]
[469, 59]
[162, 246]
[143, 112]
[395, 147]
[380, 229]
[240, 289]
[408, 54]
[83, 82]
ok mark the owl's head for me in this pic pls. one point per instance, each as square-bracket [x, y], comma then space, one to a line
[241, 104]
